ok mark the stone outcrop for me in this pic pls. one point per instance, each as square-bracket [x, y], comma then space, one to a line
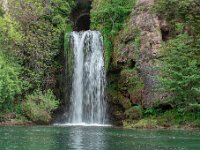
[132, 75]
[150, 41]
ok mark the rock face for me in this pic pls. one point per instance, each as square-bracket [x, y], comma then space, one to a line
[150, 41]
[131, 78]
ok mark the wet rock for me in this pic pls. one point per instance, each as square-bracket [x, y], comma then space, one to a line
[134, 113]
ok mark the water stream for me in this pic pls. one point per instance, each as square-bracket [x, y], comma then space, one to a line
[87, 104]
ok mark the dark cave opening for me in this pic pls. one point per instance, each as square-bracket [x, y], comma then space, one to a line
[80, 15]
[165, 34]
[83, 23]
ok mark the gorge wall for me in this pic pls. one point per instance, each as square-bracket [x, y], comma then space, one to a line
[132, 75]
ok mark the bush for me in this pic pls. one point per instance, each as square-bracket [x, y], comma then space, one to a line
[180, 74]
[10, 84]
[39, 105]
[109, 16]
[184, 11]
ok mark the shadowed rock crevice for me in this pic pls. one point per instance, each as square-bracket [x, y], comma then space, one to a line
[83, 23]
[80, 16]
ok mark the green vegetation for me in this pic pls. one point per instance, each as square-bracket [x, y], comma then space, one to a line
[39, 105]
[31, 42]
[10, 84]
[188, 117]
[183, 11]
[180, 72]
[108, 16]
[32, 35]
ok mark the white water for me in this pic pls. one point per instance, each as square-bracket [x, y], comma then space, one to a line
[87, 105]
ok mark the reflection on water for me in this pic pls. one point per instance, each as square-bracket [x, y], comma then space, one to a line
[96, 138]
[79, 137]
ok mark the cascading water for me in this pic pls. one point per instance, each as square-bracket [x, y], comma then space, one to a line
[87, 105]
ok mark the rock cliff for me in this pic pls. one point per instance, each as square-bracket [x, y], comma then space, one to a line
[132, 75]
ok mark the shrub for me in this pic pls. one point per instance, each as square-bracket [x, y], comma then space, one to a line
[39, 105]
[180, 74]
[10, 84]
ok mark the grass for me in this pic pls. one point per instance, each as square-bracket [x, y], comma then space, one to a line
[173, 118]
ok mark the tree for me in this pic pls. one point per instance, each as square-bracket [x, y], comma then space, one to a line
[180, 72]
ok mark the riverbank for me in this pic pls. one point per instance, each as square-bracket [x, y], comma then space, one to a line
[149, 124]
[171, 119]
[153, 124]
[149, 119]
[13, 119]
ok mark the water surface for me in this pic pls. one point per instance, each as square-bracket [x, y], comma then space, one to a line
[96, 138]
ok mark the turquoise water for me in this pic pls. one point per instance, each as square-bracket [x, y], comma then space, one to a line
[96, 138]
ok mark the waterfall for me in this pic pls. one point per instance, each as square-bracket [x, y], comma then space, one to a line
[87, 105]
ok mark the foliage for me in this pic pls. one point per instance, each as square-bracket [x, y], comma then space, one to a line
[31, 36]
[10, 70]
[58, 11]
[180, 72]
[108, 17]
[10, 84]
[178, 117]
[10, 35]
[2, 12]
[183, 11]
[43, 26]
[39, 105]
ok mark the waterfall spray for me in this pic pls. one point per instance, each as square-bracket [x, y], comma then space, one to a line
[87, 104]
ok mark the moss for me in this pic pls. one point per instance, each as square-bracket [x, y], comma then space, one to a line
[125, 102]
[107, 52]
[134, 113]
[149, 123]
[117, 98]
[68, 52]
[130, 81]
[136, 42]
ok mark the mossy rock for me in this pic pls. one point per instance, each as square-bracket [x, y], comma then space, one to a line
[134, 113]
[148, 123]
[118, 115]
[130, 81]
[125, 102]
[117, 98]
